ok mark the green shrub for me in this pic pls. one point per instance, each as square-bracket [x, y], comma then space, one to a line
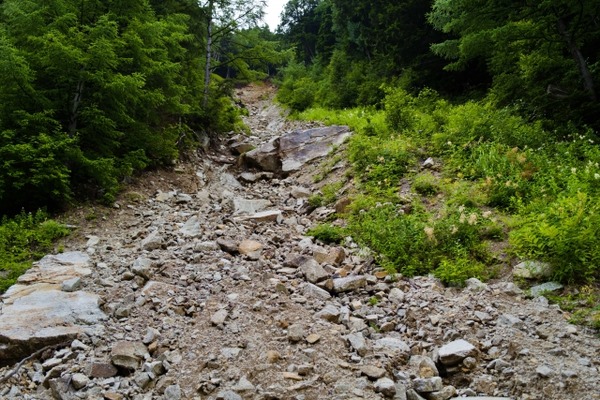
[327, 233]
[566, 234]
[24, 238]
[457, 270]
[426, 184]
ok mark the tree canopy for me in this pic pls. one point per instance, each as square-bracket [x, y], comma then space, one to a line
[92, 91]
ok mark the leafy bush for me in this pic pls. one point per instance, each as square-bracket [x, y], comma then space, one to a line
[327, 233]
[456, 271]
[566, 234]
[24, 238]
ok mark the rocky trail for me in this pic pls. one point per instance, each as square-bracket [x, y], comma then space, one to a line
[200, 284]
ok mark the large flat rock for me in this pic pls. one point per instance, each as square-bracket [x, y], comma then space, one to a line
[35, 313]
[291, 151]
[45, 317]
[299, 147]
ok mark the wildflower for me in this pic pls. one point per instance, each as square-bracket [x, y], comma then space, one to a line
[596, 176]
[486, 214]
[453, 229]
[472, 219]
[573, 170]
[462, 218]
[429, 231]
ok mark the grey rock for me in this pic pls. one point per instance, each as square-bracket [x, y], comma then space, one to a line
[413, 395]
[372, 372]
[544, 371]
[508, 288]
[394, 346]
[329, 313]
[152, 242]
[475, 285]
[510, 320]
[142, 379]
[44, 317]
[219, 317]
[265, 157]
[228, 180]
[299, 147]
[143, 267]
[532, 270]
[206, 246]
[444, 394]
[263, 216]
[313, 291]
[396, 296]
[358, 343]
[92, 241]
[183, 198]
[349, 283]
[172, 392]
[386, 387]
[298, 192]
[456, 351]
[79, 381]
[228, 246]
[128, 355]
[295, 333]
[539, 290]
[313, 271]
[228, 395]
[192, 227]
[71, 285]
[244, 206]
[428, 385]
[429, 163]
[244, 385]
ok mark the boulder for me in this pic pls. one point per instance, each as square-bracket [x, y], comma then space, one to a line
[265, 157]
[299, 147]
[289, 152]
[245, 206]
[532, 270]
[349, 283]
[128, 355]
[45, 317]
[456, 351]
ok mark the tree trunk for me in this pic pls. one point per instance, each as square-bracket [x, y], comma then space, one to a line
[208, 54]
[588, 82]
[75, 109]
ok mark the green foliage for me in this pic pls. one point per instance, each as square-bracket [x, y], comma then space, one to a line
[24, 238]
[328, 195]
[538, 54]
[426, 184]
[456, 271]
[91, 93]
[327, 233]
[566, 234]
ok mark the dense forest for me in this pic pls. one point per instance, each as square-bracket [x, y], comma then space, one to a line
[502, 94]
[93, 91]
